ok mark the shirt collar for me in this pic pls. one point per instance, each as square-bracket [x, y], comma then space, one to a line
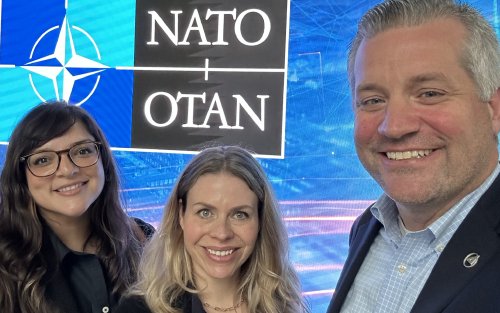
[386, 212]
[59, 246]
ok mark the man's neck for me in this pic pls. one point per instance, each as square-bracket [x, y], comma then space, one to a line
[418, 219]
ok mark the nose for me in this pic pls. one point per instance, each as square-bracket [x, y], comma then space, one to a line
[400, 119]
[221, 229]
[66, 166]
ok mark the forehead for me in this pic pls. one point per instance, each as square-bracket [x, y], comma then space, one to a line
[78, 132]
[406, 51]
[222, 187]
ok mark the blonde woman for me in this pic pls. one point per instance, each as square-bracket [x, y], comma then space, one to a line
[221, 245]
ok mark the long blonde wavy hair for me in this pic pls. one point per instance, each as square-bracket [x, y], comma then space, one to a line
[267, 280]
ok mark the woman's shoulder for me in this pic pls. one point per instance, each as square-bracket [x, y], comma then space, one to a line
[146, 228]
[133, 304]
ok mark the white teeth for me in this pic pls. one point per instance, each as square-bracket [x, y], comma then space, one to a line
[220, 253]
[70, 187]
[408, 154]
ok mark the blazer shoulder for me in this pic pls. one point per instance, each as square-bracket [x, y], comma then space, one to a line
[364, 218]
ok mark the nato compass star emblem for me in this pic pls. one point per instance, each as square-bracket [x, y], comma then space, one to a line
[69, 64]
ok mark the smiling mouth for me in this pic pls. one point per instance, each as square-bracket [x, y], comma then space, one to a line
[70, 187]
[220, 253]
[415, 154]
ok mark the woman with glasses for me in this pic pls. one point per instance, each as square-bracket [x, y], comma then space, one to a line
[66, 245]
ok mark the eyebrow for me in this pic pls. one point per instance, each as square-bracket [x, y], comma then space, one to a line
[419, 79]
[423, 78]
[72, 145]
[236, 208]
[370, 87]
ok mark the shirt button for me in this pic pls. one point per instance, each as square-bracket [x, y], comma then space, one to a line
[105, 309]
[441, 248]
[402, 268]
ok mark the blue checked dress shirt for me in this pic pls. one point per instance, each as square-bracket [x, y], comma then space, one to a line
[397, 266]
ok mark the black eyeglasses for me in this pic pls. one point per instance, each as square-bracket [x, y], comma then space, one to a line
[46, 163]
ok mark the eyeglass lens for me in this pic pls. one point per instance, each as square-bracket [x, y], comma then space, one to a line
[46, 163]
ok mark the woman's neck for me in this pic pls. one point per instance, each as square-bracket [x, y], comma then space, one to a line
[73, 232]
[222, 293]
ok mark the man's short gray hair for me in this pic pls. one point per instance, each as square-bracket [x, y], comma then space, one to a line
[480, 57]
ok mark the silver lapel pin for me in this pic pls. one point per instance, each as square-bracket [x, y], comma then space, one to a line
[471, 260]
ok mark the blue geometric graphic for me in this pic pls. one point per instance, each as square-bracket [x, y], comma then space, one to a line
[66, 51]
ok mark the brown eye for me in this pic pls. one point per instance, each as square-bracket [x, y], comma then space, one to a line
[40, 161]
[84, 151]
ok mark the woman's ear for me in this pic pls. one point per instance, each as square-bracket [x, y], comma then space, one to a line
[181, 214]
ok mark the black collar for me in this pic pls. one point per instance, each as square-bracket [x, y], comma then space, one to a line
[61, 249]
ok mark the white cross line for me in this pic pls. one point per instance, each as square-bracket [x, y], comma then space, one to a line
[205, 69]
[199, 69]
[185, 69]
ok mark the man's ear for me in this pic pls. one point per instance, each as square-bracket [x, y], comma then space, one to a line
[181, 214]
[494, 108]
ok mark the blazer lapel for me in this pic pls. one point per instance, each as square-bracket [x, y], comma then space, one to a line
[478, 233]
[357, 253]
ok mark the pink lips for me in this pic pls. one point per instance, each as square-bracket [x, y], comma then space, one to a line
[74, 189]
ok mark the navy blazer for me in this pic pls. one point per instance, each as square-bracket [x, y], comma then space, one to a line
[451, 287]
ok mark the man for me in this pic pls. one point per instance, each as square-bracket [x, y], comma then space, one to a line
[425, 77]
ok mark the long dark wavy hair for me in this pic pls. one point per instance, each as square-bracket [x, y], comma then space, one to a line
[24, 270]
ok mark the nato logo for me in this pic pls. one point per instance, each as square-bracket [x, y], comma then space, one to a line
[71, 68]
[56, 49]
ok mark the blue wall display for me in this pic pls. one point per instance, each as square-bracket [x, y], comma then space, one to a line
[320, 183]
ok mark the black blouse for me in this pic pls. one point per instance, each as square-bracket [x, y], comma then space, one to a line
[79, 282]
[189, 303]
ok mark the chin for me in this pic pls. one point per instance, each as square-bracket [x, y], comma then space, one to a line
[72, 212]
[411, 198]
[222, 274]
